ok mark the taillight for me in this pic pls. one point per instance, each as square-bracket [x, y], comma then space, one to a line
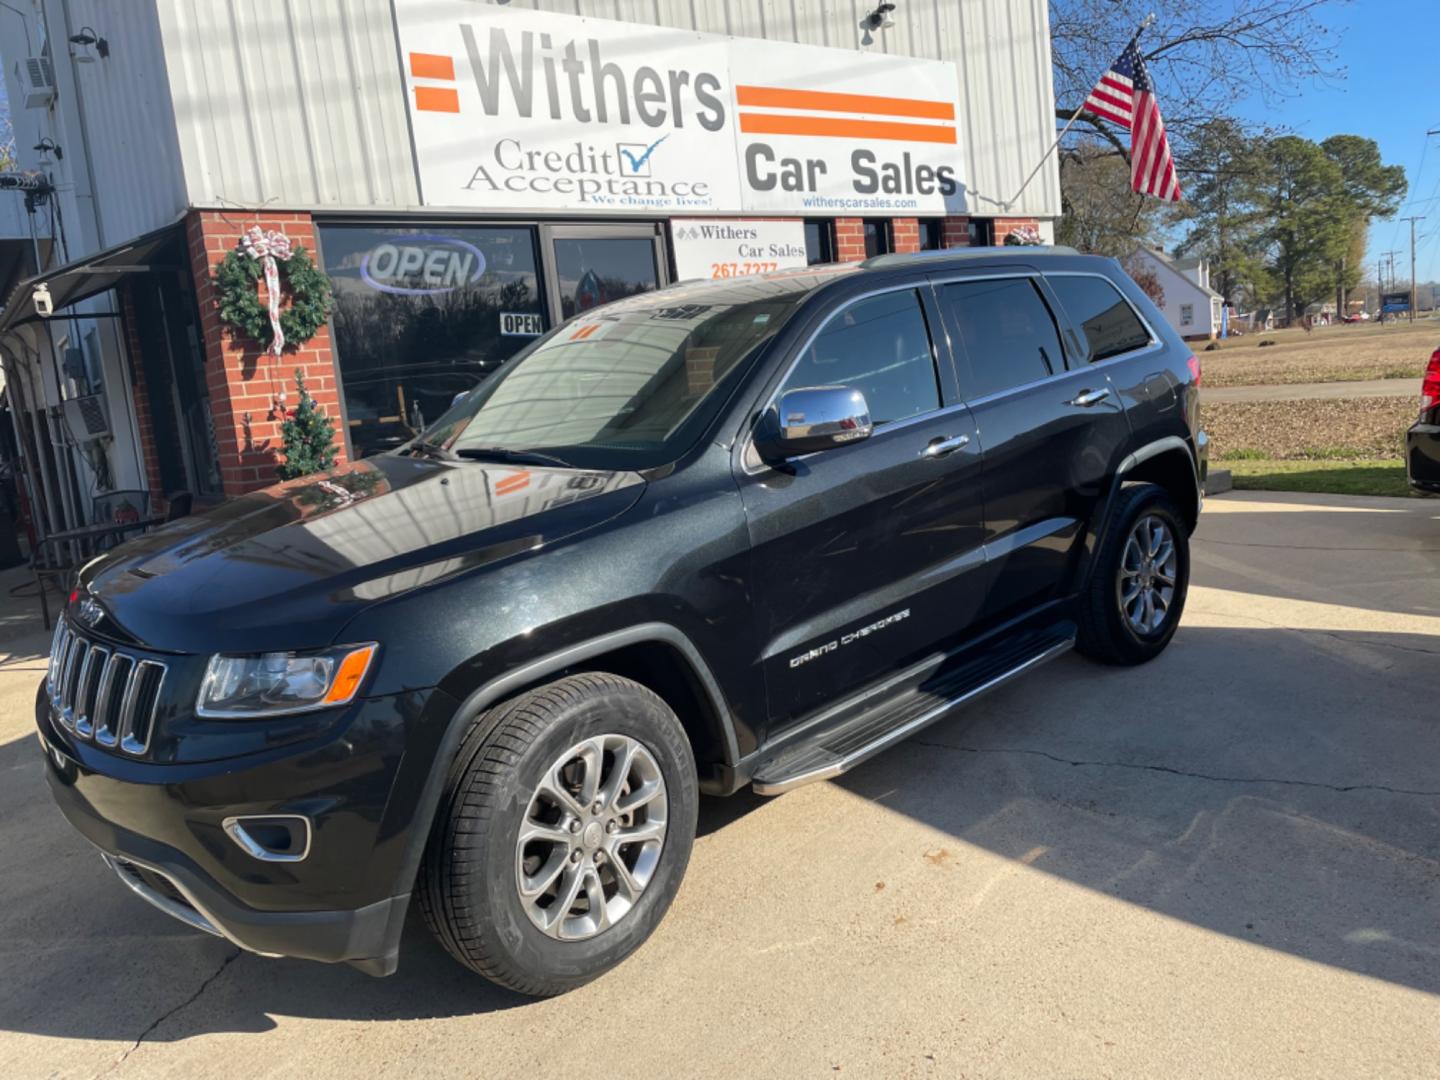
[1430, 388]
[1194, 365]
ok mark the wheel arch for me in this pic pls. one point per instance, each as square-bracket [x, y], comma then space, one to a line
[657, 655]
[1169, 463]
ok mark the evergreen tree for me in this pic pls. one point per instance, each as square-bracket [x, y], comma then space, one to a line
[308, 435]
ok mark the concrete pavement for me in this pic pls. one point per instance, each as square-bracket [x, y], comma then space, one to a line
[1226, 863]
[1225, 395]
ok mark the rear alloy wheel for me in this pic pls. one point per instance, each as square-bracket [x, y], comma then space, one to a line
[1131, 606]
[566, 826]
[1146, 582]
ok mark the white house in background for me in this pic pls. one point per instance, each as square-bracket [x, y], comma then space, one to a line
[1191, 306]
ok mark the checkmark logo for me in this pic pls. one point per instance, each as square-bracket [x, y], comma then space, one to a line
[638, 155]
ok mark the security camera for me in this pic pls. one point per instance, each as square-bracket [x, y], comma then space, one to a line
[44, 306]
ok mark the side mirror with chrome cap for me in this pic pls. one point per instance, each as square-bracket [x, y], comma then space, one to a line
[813, 418]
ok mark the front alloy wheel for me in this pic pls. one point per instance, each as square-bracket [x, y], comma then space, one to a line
[591, 838]
[564, 831]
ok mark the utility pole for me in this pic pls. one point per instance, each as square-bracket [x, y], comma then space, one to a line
[1386, 258]
[1414, 218]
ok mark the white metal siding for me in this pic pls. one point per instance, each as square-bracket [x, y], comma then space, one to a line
[301, 103]
[289, 103]
[129, 126]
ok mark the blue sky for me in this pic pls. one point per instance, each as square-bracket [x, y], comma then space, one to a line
[1391, 93]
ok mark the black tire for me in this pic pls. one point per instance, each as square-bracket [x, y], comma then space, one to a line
[467, 889]
[1106, 634]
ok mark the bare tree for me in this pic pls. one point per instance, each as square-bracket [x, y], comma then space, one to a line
[1203, 56]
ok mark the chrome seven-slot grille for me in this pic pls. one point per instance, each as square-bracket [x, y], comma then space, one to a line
[102, 693]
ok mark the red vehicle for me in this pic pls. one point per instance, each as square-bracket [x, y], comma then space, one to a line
[1422, 441]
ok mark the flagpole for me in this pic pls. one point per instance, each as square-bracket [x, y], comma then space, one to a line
[1041, 163]
[1068, 125]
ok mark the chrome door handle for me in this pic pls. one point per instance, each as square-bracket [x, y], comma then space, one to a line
[1086, 398]
[942, 446]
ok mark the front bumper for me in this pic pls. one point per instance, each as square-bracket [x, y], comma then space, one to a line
[161, 827]
[1422, 457]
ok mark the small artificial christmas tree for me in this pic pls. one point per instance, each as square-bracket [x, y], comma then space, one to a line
[309, 437]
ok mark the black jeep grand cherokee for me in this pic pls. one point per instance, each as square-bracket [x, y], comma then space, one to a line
[748, 532]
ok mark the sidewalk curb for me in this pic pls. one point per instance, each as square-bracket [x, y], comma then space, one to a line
[1218, 481]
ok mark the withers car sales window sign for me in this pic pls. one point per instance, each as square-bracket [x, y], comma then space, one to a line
[718, 248]
[531, 111]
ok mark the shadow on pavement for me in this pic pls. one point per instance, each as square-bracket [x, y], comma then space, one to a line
[1262, 803]
[1257, 550]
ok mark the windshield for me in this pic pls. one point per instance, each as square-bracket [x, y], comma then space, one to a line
[627, 386]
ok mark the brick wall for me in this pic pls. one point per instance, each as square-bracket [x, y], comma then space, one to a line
[955, 232]
[849, 239]
[905, 235]
[241, 378]
[140, 393]
[1005, 226]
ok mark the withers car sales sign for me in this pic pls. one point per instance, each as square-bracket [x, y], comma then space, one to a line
[531, 111]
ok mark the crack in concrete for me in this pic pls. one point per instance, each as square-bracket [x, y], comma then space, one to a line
[1342, 788]
[171, 1012]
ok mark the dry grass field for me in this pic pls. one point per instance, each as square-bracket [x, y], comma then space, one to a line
[1326, 354]
[1344, 445]
[1313, 430]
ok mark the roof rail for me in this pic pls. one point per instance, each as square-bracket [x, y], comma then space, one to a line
[876, 262]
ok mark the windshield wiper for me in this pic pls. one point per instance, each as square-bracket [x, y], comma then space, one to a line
[431, 450]
[516, 457]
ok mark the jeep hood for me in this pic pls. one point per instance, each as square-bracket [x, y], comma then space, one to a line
[287, 567]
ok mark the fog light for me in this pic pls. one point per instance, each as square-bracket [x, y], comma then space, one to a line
[271, 837]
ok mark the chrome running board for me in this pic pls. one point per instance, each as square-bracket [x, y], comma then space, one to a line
[839, 748]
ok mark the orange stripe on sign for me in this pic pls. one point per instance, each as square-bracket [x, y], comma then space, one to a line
[437, 99]
[776, 97]
[432, 66]
[835, 127]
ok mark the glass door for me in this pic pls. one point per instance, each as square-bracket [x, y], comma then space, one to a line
[590, 265]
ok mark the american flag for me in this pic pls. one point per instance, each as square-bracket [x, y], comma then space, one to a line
[1126, 95]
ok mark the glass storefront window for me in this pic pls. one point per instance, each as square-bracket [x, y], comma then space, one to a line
[596, 270]
[422, 315]
[819, 241]
[877, 237]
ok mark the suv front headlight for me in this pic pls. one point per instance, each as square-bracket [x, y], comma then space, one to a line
[272, 684]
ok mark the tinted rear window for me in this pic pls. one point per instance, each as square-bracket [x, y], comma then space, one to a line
[1008, 332]
[1107, 319]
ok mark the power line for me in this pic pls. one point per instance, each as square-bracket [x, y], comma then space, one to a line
[1419, 173]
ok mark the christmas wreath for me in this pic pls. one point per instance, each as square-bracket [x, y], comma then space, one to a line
[269, 256]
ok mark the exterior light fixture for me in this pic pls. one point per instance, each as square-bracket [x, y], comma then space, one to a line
[85, 38]
[879, 19]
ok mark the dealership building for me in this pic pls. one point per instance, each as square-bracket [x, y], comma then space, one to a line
[467, 175]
